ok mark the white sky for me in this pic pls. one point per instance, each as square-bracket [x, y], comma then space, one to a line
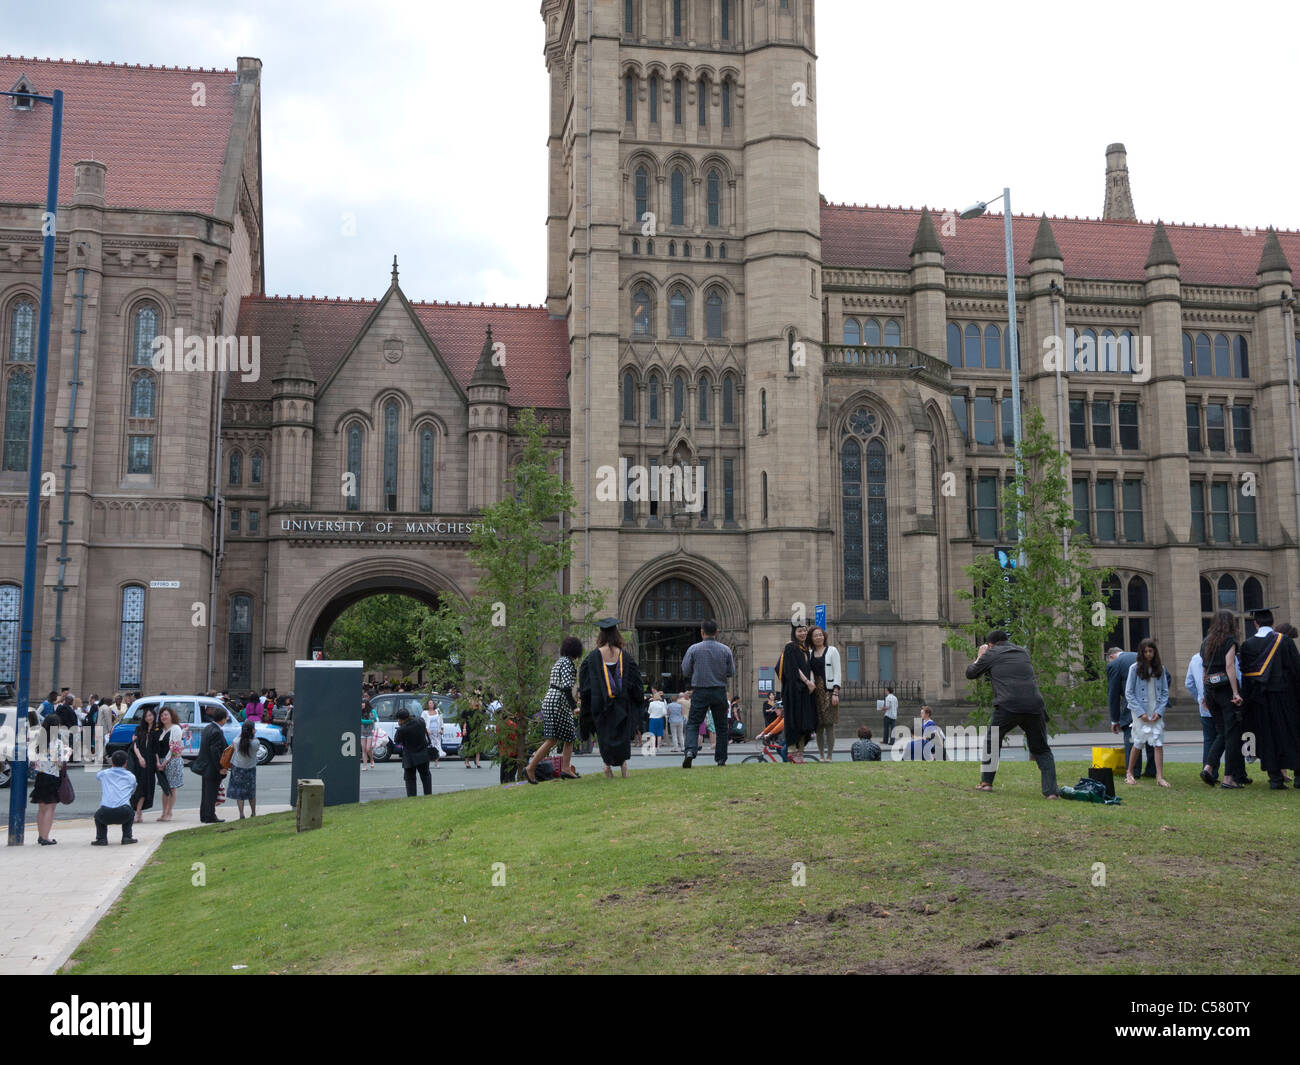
[427, 120]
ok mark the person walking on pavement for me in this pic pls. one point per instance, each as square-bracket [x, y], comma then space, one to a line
[891, 714]
[212, 745]
[706, 667]
[1118, 663]
[1017, 702]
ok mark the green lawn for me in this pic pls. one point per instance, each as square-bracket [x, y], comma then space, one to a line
[907, 868]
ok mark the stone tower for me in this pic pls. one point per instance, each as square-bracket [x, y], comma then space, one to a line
[1119, 200]
[294, 418]
[694, 255]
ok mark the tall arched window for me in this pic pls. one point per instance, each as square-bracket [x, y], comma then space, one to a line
[679, 399]
[1240, 358]
[629, 98]
[678, 197]
[789, 351]
[10, 615]
[703, 104]
[726, 20]
[1221, 593]
[22, 332]
[642, 193]
[1203, 359]
[145, 329]
[654, 99]
[354, 468]
[726, 103]
[390, 455]
[713, 197]
[973, 346]
[236, 467]
[852, 331]
[1222, 358]
[762, 410]
[629, 16]
[641, 311]
[239, 655]
[866, 539]
[992, 347]
[704, 388]
[764, 497]
[131, 658]
[18, 418]
[677, 18]
[954, 344]
[767, 601]
[871, 333]
[677, 313]
[652, 400]
[893, 335]
[426, 470]
[1189, 357]
[679, 100]
[629, 398]
[255, 468]
[728, 400]
[713, 308]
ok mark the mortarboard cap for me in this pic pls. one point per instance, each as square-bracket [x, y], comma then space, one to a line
[1257, 611]
[607, 623]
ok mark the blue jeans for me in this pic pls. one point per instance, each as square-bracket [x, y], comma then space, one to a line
[1149, 755]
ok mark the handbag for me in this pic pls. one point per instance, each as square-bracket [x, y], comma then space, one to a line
[67, 795]
[226, 756]
[1111, 758]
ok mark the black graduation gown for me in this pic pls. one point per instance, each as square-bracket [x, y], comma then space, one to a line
[612, 719]
[146, 776]
[798, 706]
[1272, 699]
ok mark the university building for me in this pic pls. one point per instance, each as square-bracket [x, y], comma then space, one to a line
[840, 373]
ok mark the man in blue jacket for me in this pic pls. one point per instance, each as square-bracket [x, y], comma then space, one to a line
[1117, 666]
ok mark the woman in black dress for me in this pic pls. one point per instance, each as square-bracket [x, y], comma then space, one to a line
[610, 685]
[794, 675]
[144, 761]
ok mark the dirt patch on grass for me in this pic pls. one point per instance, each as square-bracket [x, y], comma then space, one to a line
[1005, 886]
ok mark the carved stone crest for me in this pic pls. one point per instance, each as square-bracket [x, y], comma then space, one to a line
[393, 349]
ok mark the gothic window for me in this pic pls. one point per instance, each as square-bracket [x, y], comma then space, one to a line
[679, 398]
[641, 311]
[642, 194]
[1240, 358]
[239, 657]
[636, 246]
[18, 418]
[629, 16]
[390, 456]
[139, 454]
[852, 331]
[1129, 599]
[131, 659]
[678, 306]
[973, 345]
[629, 98]
[354, 468]
[893, 335]
[726, 103]
[679, 95]
[992, 347]
[426, 471]
[713, 189]
[704, 388]
[649, 247]
[871, 333]
[722, 251]
[677, 18]
[708, 251]
[654, 99]
[726, 20]
[767, 597]
[863, 472]
[728, 400]
[679, 197]
[22, 332]
[1202, 355]
[686, 249]
[713, 314]
[703, 106]
[1222, 363]
[146, 328]
[1189, 357]
[652, 401]
[1227, 585]
[629, 398]
[255, 468]
[954, 345]
[10, 615]
[672, 249]
[764, 497]
[236, 468]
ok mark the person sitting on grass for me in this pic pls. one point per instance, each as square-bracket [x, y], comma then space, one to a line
[1147, 693]
[863, 750]
[116, 786]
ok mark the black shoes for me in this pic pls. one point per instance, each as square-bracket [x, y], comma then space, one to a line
[46, 842]
[129, 839]
[213, 821]
[686, 762]
[1208, 777]
[1277, 785]
[99, 843]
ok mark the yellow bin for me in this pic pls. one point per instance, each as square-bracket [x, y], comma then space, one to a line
[1108, 758]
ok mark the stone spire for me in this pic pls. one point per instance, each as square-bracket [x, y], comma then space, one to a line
[1045, 246]
[489, 373]
[1273, 257]
[927, 239]
[1162, 252]
[295, 366]
[394, 271]
[1119, 200]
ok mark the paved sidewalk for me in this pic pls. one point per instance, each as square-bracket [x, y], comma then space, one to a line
[51, 897]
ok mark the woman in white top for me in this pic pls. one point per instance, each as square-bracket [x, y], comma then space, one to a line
[825, 661]
[171, 764]
[433, 726]
[658, 712]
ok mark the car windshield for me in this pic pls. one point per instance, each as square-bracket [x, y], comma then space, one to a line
[386, 706]
[134, 715]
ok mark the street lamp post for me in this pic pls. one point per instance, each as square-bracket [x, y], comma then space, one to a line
[1289, 339]
[18, 784]
[974, 212]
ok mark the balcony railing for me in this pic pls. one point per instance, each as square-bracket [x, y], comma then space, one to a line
[886, 362]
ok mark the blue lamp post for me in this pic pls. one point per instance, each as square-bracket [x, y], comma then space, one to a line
[18, 785]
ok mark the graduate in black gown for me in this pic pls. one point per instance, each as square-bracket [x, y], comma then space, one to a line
[1270, 674]
[794, 677]
[609, 682]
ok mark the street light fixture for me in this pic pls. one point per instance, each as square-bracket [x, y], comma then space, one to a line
[974, 211]
[1289, 340]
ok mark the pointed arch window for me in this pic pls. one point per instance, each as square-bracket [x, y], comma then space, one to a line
[390, 455]
[255, 468]
[893, 335]
[354, 468]
[239, 657]
[629, 398]
[863, 492]
[714, 307]
[1203, 361]
[678, 306]
[852, 331]
[18, 419]
[642, 193]
[726, 103]
[22, 332]
[954, 344]
[131, 656]
[679, 100]
[679, 399]
[654, 99]
[145, 328]
[708, 251]
[236, 467]
[992, 347]
[705, 389]
[10, 609]
[714, 198]
[686, 249]
[1240, 358]
[702, 117]
[871, 333]
[672, 249]
[629, 98]
[641, 311]
[973, 359]
[728, 400]
[679, 197]
[426, 470]
[652, 400]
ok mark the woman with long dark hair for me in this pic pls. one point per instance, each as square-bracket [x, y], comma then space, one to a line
[825, 662]
[794, 675]
[144, 761]
[612, 695]
[1223, 700]
[557, 711]
[243, 769]
[1147, 693]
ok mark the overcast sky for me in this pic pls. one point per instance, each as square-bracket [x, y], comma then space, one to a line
[427, 120]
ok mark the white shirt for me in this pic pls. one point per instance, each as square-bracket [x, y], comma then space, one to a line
[891, 705]
[658, 708]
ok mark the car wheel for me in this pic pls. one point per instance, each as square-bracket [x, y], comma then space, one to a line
[265, 752]
[6, 774]
[383, 751]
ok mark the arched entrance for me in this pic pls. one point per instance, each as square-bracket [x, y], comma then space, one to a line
[667, 623]
[363, 590]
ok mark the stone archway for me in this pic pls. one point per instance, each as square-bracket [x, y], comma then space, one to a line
[332, 594]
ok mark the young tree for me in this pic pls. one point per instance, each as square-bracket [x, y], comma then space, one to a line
[1050, 604]
[505, 637]
[379, 631]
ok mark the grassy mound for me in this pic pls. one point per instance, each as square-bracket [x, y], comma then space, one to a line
[904, 869]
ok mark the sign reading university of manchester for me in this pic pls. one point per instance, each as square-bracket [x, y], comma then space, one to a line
[422, 528]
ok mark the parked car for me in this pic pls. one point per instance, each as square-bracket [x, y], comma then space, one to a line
[192, 713]
[386, 707]
[7, 741]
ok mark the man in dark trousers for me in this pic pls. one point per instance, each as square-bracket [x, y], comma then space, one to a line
[707, 667]
[1270, 683]
[1121, 719]
[1016, 702]
[208, 764]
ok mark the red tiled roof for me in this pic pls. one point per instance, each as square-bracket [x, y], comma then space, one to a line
[537, 345]
[162, 152]
[1094, 248]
